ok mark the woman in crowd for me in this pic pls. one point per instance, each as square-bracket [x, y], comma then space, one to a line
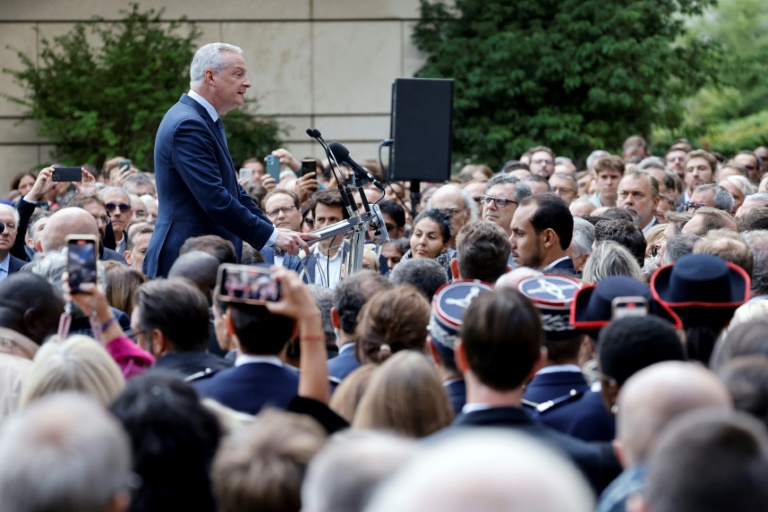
[405, 396]
[79, 363]
[431, 233]
[23, 182]
[392, 320]
[121, 284]
[610, 259]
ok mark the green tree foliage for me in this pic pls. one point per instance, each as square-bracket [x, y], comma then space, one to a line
[572, 74]
[103, 88]
[741, 27]
[250, 135]
[730, 115]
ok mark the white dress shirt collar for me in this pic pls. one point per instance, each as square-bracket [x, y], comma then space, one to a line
[204, 102]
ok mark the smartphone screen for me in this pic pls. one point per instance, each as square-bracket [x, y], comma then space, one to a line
[308, 165]
[247, 284]
[273, 167]
[81, 261]
[124, 165]
[67, 174]
[629, 306]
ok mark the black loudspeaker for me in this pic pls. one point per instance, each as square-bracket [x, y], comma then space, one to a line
[422, 111]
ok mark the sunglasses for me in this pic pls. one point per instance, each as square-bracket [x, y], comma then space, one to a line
[122, 206]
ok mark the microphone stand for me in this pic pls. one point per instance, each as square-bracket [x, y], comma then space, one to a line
[358, 226]
[357, 223]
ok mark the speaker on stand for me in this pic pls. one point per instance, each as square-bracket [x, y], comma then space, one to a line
[422, 112]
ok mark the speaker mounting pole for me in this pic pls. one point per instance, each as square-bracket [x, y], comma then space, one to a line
[415, 197]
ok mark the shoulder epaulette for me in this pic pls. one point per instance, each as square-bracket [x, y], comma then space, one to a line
[559, 401]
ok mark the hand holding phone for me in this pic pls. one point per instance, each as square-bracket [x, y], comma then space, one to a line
[246, 284]
[629, 307]
[67, 174]
[308, 165]
[273, 167]
[81, 261]
[246, 174]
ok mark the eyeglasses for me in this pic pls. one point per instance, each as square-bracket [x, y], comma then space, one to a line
[676, 159]
[122, 206]
[285, 209]
[558, 190]
[500, 201]
[692, 207]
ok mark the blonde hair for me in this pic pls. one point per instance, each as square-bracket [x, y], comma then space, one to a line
[347, 396]
[261, 466]
[78, 363]
[405, 396]
[652, 235]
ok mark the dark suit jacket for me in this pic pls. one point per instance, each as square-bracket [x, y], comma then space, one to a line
[343, 364]
[197, 186]
[596, 461]
[192, 363]
[565, 267]
[457, 394]
[550, 386]
[249, 387]
[15, 264]
[289, 261]
[585, 418]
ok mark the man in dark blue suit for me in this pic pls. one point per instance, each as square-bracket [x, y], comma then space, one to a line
[542, 228]
[448, 307]
[8, 262]
[196, 179]
[496, 365]
[561, 377]
[260, 377]
[349, 297]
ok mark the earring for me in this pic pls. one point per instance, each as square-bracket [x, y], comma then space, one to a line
[615, 409]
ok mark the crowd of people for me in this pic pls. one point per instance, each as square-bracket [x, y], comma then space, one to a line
[537, 337]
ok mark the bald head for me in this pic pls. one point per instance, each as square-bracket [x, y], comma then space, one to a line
[67, 221]
[656, 395]
[200, 268]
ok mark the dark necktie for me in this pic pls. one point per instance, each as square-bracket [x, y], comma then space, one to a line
[220, 126]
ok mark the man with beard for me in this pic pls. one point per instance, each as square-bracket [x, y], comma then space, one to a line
[542, 228]
[699, 170]
[639, 195]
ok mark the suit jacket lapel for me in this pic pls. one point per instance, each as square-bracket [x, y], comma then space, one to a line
[211, 126]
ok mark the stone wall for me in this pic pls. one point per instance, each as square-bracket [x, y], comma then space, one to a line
[327, 64]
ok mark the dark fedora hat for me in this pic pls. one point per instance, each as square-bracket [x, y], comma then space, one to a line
[701, 288]
[592, 307]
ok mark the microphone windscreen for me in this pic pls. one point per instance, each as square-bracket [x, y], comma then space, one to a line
[2, 227]
[310, 132]
[339, 151]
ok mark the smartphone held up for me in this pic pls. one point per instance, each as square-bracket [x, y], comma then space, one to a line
[82, 253]
[246, 284]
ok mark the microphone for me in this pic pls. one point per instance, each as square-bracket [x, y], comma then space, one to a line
[342, 155]
[346, 194]
[2, 227]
